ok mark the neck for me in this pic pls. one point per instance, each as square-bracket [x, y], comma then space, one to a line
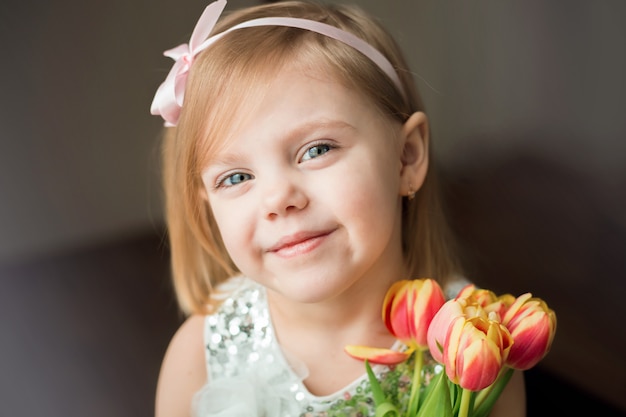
[358, 307]
[316, 334]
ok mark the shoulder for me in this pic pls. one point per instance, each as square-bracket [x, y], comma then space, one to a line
[512, 401]
[183, 371]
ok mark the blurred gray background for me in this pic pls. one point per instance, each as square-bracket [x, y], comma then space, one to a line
[525, 100]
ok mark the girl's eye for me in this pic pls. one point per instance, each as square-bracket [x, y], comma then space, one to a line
[234, 179]
[316, 150]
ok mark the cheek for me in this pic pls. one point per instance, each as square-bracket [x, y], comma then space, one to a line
[368, 199]
[378, 183]
[237, 237]
[232, 226]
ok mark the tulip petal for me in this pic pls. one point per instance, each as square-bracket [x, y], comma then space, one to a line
[466, 291]
[439, 326]
[379, 356]
[429, 300]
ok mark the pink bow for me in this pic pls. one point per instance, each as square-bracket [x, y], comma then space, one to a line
[169, 97]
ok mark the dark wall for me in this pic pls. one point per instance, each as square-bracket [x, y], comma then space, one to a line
[79, 161]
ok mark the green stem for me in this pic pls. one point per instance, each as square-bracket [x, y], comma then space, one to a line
[487, 397]
[416, 383]
[466, 396]
[483, 393]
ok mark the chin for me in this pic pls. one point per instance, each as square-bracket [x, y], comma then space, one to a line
[310, 291]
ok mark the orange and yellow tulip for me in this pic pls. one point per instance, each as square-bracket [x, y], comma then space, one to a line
[474, 352]
[480, 338]
[409, 308]
[470, 342]
[532, 325]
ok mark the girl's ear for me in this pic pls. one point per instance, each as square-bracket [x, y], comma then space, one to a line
[414, 157]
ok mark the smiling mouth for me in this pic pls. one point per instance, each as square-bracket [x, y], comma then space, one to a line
[298, 244]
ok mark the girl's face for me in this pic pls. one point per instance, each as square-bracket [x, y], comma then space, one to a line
[306, 193]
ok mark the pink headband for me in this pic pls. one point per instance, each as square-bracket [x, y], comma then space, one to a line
[168, 99]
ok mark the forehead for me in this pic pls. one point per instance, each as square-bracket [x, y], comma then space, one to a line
[295, 94]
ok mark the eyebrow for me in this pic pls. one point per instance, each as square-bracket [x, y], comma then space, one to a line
[298, 131]
[320, 124]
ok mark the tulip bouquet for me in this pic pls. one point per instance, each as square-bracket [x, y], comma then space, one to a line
[477, 338]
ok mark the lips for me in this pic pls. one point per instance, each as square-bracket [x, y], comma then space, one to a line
[298, 243]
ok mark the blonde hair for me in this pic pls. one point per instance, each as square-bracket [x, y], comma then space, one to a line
[236, 68]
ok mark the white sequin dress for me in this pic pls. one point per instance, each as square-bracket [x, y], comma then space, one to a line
[249, 375]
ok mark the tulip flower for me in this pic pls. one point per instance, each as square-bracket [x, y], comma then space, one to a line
[471, 343]
[408, 309]
[468, 303]
[478, 337]
[532, 325]
[480, 301]
[474, 352]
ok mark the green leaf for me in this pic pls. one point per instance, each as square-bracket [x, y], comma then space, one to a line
[430, 387]
[384, 408]
[377, 392]
[437, 401]
[485, 404]
[455, 396]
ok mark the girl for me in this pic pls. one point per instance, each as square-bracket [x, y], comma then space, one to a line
[298, 189]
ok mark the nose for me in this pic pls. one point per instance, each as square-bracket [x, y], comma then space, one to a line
[281, 196]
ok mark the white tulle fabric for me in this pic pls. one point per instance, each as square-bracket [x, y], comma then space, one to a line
[253, 394]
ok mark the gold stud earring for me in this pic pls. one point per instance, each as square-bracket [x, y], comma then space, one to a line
[411, 194]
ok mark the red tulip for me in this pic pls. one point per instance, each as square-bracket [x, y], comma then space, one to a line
[470, 302]
[480, 338]
[408, 309]
[532, 325]
[470, 342]
[474, 352]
